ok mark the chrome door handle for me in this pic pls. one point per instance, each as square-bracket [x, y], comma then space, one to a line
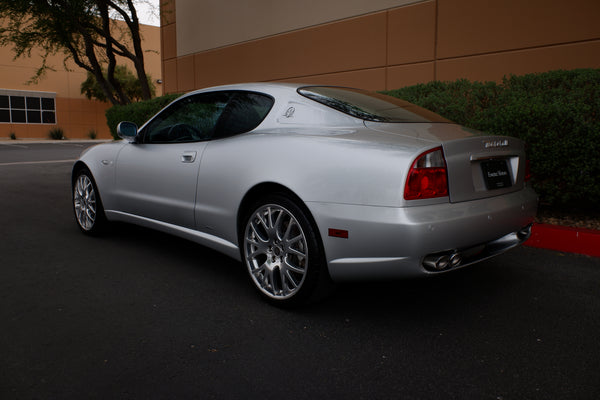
[188, 156]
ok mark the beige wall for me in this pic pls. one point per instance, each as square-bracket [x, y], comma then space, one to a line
[218, 23]
[374, 44]
[74, 113]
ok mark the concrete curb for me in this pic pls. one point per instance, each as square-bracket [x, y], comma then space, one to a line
[565, 239]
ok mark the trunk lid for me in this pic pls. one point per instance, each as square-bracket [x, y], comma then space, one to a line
[484, 166]
[479, 165]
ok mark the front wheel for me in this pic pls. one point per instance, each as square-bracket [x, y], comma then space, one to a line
[87, 205]
[282, 252]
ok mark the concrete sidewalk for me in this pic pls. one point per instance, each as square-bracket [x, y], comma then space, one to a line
[8, 141]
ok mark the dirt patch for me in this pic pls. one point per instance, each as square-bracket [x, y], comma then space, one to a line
[586, 220]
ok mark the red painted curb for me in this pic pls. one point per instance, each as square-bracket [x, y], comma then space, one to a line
[562, 238]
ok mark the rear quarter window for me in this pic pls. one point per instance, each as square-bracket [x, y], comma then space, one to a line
[244, 112]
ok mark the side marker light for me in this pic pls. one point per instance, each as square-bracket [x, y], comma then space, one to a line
[339, 233]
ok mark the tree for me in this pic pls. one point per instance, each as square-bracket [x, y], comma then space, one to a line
[126, 79]
[84, 32]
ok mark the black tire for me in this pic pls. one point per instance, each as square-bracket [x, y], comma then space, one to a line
[87, 205]
[282, 252]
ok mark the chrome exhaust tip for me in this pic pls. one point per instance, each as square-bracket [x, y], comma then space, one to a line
[455, 260]
[440, 262]
[524, 233]
[436, 262]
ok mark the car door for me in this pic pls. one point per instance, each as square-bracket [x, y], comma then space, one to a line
[220, 189]
[156, 178]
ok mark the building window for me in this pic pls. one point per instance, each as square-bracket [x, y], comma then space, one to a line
[4, 108]
[24, 107]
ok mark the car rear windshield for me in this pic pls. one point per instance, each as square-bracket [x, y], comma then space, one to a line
[368, 105]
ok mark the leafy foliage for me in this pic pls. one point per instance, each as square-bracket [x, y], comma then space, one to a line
[138, 113]
[129, 82]
[56, 134]
[556, 113]
[92, 134]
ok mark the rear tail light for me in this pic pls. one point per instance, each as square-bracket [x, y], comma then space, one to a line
[428, 176]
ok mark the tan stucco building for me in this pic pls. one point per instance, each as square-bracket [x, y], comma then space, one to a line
[373, 44]
[31, 110]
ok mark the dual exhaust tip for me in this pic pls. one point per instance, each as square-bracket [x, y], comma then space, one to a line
[453, 258]
[440, 262]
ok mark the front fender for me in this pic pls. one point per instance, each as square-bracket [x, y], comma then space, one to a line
[101, 161]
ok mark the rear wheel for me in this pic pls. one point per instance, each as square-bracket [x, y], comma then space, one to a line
[282, 252]
[87, 205]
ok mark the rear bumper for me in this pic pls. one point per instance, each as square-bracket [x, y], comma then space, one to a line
[457, 258]
[387, 242]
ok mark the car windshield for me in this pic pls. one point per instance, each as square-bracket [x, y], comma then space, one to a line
[369, 106]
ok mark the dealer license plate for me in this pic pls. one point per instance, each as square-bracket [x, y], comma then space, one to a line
[496, 174]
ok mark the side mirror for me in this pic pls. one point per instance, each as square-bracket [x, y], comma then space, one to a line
[127, 131]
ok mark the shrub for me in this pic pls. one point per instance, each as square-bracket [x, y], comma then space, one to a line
[92, 134]
[13, 136]
[57, 134]
[138, 113]
[556, 113]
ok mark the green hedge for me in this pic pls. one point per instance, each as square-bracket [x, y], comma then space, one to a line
[556, 113]
[136, 112]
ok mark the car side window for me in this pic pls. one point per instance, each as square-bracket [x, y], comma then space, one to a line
[190, 119]
[244, 112]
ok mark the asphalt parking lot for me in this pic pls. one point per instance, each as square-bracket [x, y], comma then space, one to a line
[141, 315]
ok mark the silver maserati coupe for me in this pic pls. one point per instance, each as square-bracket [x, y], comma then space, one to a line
[310, 185]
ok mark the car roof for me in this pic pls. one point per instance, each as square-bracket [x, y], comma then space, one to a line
[265, 87]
